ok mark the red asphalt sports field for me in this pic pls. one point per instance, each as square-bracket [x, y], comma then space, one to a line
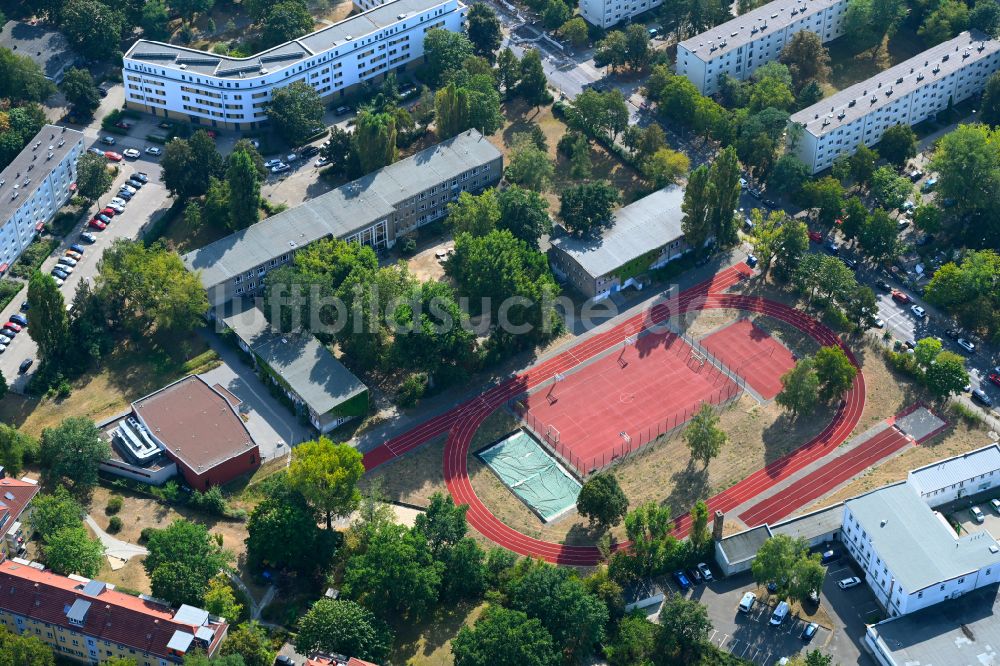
[751, 353]
[462, 421]
[642, 390]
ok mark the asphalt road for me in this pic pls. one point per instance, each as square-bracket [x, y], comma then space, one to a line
[150, 201]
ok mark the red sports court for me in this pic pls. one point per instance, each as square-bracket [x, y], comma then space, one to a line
[612, 406]
[751, 353]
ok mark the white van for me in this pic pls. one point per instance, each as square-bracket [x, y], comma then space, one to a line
[746, 604]
[780, 613]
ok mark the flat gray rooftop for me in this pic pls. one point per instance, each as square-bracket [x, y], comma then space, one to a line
[644, 225]
[343, 33]
[949, 471]
[959, 632]
[32, 165]
[341, 212]
[812, 525]
[299, 360]
[772, 17]
[849, 104]
[917, 546]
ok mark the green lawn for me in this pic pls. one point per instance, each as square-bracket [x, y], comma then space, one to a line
[849, 66]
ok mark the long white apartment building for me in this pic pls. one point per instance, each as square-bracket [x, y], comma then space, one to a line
[740, 46]
[606, 13]
[221, 91]
[905, 94]
[34, 186]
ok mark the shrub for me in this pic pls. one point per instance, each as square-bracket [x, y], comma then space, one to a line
[114, 525]
[210, 501]
[115, 503]
[412, 389]
[8, 290]
[408, 246]
[146, 534]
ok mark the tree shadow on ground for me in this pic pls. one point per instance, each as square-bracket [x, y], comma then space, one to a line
[687, 486]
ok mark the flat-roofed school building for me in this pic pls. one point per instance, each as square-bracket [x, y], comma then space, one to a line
[373, 210]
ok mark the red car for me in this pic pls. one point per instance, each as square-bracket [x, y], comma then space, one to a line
[123, 125]
[995, 378]
[110, 212]
[12, 326]
[97, 224]
[899, 296]
[113, 156]
[815, 237]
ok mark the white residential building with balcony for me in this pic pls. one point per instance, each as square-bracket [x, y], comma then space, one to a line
[221, 91]
[606, 13]
[34, 186]
[905, 94]
[740, 46]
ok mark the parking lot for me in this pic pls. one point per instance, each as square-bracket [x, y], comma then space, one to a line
[960, 512]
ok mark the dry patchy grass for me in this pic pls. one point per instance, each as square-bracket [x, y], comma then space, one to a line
[130, 372]
[413, 478]
[428, 643]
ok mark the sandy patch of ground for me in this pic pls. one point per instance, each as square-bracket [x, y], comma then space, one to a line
[425, 265]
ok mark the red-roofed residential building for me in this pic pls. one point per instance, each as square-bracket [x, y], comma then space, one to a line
[89, 621]
[336, 660]
[15, 530]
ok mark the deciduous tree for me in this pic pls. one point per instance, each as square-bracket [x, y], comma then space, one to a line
[684, 627]
[899, 142]
[444, 53]
[807, 59]
[93, 178]
[504, 637]
[343, 627]
[244, 190]
[49, 321]
[327, 476]
[834, 371]
[296, 111]
[525, 214]
[666, 166]
[375, 140]
[484, 30]
[250, 641]
[73, 450]
[703, 435]
[586, 207]
[947, 376]
[533, 84]
[70, 550]
[80, 90]
[602, 500]
[182, 558]
[800, 387]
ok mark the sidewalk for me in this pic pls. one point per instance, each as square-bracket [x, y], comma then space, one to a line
[113, 547]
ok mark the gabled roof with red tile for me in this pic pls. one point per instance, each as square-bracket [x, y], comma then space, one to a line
[111, 615]
[15, 495]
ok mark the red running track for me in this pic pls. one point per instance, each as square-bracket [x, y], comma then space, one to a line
[462, 421]
[641, 390]
[820, 481]
[752, 354]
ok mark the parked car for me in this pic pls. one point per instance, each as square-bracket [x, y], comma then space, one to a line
[24, 306]
[109, 211]
[695, 576]
[682, 581]
[322, 162]
[273, 162]
[67, 261]
[141, 177]
[953, 333]
[779, 614]
[850, 263]
[25, 364]
[131, 182]
[118, 201]
[121, 124]
[810, 631]
[815, 237]
[5, 340]
[879, 322]
[995, 503]
[113, 156]
[88, 237]
[979, 395]
[309, 151]
[124, 194]
[929, 184]
[833, 248]
[900, 296]
[995, 378]
[883, 285]
[916, 175]
[829, 556]
[96, 151]
[751, 261]
[848, 583]
[97, 224]
[918, 311]
[60, 273]
[128, 188]
[103, 218]
[153, 150]
[747, 602]
[117, 208]
[108, 140]
[966, 345]
[280, 167]
[132, 153]
[75, 247]
[12, 326]
[19, 319]
[342, 110]
[706, 573]
[282, 660]
[977, 514]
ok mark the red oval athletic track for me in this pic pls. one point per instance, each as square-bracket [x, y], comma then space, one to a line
[462, 421]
